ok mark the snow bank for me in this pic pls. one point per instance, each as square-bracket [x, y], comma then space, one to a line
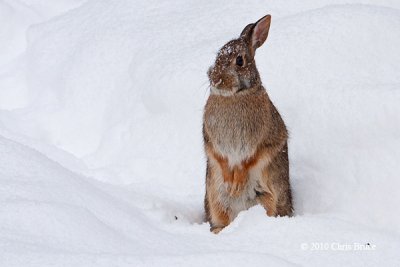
[337, 87]
[114, 90]
[50, 215]
[15, 17]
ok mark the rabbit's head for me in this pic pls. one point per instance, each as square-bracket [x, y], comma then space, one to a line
[234, 69]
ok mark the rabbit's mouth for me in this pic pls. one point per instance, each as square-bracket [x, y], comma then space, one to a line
[225, 87]
[222, 92]
[243, 86]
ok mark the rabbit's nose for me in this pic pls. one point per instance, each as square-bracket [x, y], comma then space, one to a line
[210, 70]
[215, 76]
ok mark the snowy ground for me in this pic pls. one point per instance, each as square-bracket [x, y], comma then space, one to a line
[100, 132]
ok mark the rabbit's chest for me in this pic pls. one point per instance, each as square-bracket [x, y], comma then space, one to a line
[235, 130]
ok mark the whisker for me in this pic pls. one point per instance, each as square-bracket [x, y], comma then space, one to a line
[207, 87]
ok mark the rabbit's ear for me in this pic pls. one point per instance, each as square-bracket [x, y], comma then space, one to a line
[255, 34]
[246, 33]
[260, 31]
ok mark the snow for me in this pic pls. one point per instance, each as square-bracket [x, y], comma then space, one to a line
[100, 132]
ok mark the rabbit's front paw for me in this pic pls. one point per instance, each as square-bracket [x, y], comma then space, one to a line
[240, 176]
[216, 230]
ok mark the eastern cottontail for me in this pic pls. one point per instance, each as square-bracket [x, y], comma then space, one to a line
[245, 138]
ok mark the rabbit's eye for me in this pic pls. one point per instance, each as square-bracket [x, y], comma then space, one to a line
[239, 61]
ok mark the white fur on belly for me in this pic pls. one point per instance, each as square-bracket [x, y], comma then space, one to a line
[247, 198]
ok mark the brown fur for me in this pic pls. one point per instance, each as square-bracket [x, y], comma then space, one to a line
[245, 138]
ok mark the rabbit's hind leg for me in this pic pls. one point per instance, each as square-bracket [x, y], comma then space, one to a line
[275, 194]
[275, 205]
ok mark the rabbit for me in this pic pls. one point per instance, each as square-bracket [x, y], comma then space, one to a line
[245, 138]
